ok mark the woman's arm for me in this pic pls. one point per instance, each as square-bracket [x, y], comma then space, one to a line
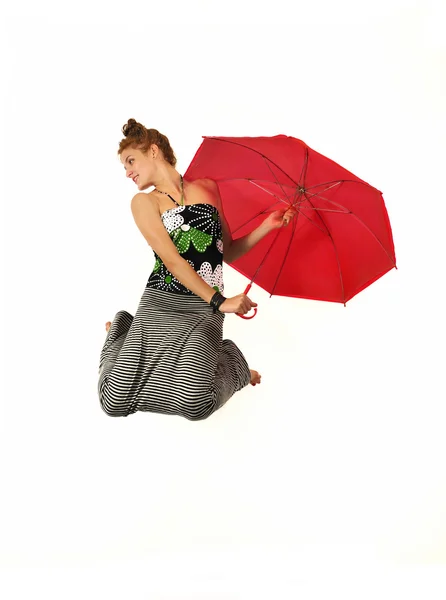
[234, 249]
[243, 245]
[147, 218]
[146, 215]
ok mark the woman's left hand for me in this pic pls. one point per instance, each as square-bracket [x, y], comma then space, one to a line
[279, 218]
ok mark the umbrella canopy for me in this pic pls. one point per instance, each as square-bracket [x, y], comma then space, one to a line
[340, 240]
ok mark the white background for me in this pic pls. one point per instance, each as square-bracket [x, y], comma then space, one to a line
[328, 480]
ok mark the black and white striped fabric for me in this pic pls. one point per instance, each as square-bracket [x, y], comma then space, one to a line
[169, 358]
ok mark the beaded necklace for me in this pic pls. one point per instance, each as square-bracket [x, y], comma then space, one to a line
[182, 194]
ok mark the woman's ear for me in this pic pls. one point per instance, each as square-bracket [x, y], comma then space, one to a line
[154, 150]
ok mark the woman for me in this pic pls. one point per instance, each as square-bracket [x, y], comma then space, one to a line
[170, 358]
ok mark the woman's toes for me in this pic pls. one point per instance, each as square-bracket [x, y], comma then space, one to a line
[255, 377]
[107, 325]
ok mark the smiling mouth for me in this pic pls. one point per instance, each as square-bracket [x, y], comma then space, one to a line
[135, 178]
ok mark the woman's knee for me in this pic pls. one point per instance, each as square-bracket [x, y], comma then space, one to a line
[111, 409]
[198, 411]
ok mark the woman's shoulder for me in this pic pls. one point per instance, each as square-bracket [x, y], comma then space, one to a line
[209, 184]
[148, 199]
[207, 191]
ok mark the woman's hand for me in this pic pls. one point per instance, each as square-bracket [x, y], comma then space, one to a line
[240, 305]
[279, 218]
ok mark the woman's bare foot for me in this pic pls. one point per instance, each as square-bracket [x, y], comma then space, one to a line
[255, 377]
[107, 325]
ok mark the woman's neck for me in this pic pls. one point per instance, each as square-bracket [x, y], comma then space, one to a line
[169, 180]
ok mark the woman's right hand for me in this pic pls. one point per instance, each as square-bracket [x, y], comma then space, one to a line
[240, 305]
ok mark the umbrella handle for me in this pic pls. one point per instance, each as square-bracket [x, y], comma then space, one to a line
[248, 287]
[251, 317]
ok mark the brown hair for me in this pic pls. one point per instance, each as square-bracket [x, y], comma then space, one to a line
[137, 136]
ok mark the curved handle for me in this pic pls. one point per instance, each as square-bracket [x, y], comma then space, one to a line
[251, 317]
[248, 287]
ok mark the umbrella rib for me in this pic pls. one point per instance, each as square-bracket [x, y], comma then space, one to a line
[252, 218]
[255, 151]
[375, 236]
[262, 211]
[273, 174]
[292, 187]
[311, 221]
[347, 211]
[304, 167]
[342, 209]
[285, 256]
[337, 181]
[297, 209]
[304, 171]
[268, 191]
[334, 248]
[330, 210]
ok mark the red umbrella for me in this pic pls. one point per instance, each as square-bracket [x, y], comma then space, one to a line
[340, 240]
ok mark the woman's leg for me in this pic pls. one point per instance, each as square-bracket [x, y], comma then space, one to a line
[232, 373]
[112, 398]
[170, 358]
[217, 378]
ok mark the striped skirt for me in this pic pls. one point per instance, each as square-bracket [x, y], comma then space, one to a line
[169, 358]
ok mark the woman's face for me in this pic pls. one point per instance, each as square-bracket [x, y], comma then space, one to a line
[139, 167]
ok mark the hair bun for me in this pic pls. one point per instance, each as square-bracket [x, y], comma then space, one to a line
[138, 136]
[133, 128]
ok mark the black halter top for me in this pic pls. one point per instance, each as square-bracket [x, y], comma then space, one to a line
[196, 231]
